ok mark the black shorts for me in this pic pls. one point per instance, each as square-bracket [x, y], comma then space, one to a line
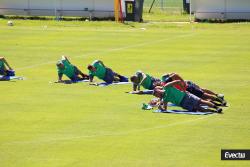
[2, 72]
[166, 78]
[190, 102]
[109, 76]
[194, 89]
[75, 78]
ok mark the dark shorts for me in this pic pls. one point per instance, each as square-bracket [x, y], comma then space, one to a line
[166, 78]
[10, 73]
[123, 78]
[194, 89]
[190, 102]
[2, 71]
[109, 76]
[7, 72]
[75, 78]
[4, 78]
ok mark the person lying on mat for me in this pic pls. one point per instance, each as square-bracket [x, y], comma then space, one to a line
[194, 89]
[64, 67]
[4, 70]
[186, 100]
[142, 79]
[98, 69]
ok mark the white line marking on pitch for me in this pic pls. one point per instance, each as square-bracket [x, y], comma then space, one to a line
[109, 50]
[57, 139]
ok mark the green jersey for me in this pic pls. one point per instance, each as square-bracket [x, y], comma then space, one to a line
[173, 95]
[1, 64]
[145, 80]
[68, 70]
[100, 70]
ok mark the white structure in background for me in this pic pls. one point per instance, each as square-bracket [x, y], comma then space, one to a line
[82, 8]
[221, 9]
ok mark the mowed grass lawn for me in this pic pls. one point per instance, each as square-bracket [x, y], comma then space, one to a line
[52, 125]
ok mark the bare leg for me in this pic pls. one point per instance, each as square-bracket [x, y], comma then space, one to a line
[208, 96]
[116, 79]
[209, 92]
[208, 103]
[211, 105]
[212, 97]
[120, 78]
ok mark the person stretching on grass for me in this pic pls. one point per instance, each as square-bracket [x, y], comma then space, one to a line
[98, 69]
[3, 70]
[194, 89]
[145, 80]
[64, 67]
[188, 101]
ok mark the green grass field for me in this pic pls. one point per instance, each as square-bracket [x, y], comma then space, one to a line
[52, 125]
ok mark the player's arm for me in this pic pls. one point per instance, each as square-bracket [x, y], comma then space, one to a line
[91, 77]
[135, 87]
[173, 83]
[99, 61]
[164, 106]
[60, 75]
[66, 59]
[5, 62]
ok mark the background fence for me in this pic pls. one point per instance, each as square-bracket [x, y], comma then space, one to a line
[164, 6]
[162, 10]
